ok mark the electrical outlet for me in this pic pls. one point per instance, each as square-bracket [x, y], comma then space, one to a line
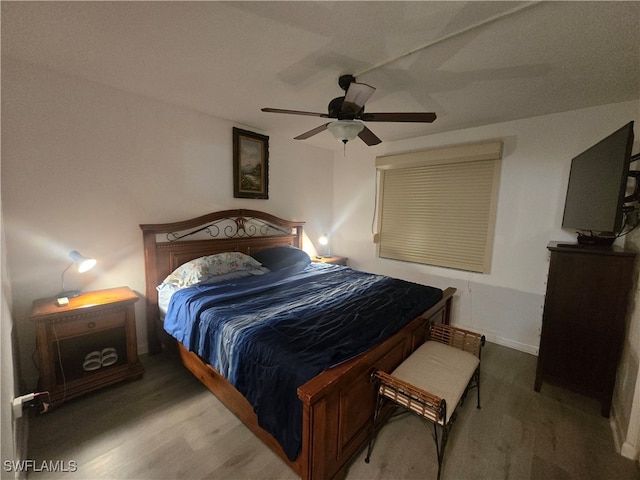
[36, 399]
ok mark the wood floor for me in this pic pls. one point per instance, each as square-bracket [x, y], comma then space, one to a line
[168, 426]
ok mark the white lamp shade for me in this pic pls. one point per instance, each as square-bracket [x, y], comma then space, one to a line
[83, 264]
[324, 241]
[345, 130]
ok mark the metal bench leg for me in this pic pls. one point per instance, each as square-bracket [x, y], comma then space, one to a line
[441, 443]
[374, 426]
[477, 375]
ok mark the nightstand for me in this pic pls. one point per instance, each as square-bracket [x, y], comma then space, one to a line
[88, 344]
[332, 260]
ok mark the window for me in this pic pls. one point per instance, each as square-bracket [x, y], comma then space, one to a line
[437, 207]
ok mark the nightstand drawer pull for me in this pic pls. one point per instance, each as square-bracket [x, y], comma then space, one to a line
[96, 323]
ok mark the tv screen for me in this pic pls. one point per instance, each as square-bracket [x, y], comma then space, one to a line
[598, 184]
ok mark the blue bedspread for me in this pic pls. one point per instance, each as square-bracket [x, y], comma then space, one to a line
[270, 334]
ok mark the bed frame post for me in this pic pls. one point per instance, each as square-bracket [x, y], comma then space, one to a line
[151, 294]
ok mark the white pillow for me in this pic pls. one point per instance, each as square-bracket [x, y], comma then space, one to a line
[203, 269]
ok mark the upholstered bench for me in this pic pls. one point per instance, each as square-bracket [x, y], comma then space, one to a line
[432, 381]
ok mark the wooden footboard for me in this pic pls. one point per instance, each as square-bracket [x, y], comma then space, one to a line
[338, 404]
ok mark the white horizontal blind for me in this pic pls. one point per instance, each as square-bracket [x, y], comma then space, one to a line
[438, 206]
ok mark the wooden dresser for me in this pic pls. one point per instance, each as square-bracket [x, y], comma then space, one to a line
[92, 323]
[583, 324]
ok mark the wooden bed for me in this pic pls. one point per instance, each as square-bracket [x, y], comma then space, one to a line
[339, 403]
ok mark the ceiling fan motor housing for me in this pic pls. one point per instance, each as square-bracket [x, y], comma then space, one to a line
[337, 110]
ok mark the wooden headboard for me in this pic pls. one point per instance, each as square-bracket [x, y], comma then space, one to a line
[169, 245]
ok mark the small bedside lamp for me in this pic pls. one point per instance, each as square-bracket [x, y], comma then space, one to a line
[83, 264]
[324, 240]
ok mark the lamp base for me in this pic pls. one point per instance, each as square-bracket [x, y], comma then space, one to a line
[69, 294]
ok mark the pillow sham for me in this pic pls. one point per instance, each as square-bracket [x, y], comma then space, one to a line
[277, 258]
[206, 269]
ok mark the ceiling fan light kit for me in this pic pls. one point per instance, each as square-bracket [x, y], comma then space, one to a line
[345, 130]
[349, 113]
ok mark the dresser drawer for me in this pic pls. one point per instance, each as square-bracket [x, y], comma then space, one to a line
[89, 324]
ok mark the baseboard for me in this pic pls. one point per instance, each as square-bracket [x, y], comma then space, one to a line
[505, 342]
[623, 447]
[618, 432]
[629, 451]
[20, 442]
[521, 347]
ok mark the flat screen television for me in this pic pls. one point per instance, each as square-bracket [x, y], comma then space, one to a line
[597, 189]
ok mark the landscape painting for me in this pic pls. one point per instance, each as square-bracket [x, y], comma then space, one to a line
[250, 164]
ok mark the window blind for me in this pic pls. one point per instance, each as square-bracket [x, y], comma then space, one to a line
[437, 207]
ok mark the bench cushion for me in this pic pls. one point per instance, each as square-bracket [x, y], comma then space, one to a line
[439, 369]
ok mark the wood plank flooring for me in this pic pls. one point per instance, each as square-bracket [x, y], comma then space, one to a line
[168, 426]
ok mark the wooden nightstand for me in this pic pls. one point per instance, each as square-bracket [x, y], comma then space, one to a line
[91, 322]
[332, 260]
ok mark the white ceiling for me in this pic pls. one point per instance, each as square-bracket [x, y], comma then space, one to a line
[473, 63]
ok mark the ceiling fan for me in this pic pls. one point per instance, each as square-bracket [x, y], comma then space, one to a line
[349, 113]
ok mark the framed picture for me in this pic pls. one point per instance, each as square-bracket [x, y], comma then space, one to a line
[250, 164]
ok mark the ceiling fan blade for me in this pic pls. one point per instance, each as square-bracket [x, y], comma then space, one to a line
[426, 117]
[295, 112]
[368, 137]
[313, 132]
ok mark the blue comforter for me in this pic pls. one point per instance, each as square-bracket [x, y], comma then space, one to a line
[270, 334]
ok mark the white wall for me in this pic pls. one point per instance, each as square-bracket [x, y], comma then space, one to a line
[506, 304]
[626, 399]
[83, 165]
[12, 433]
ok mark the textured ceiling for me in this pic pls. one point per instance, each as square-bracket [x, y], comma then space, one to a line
[473, 63]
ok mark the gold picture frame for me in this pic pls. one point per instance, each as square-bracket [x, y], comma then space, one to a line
[250, 164]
